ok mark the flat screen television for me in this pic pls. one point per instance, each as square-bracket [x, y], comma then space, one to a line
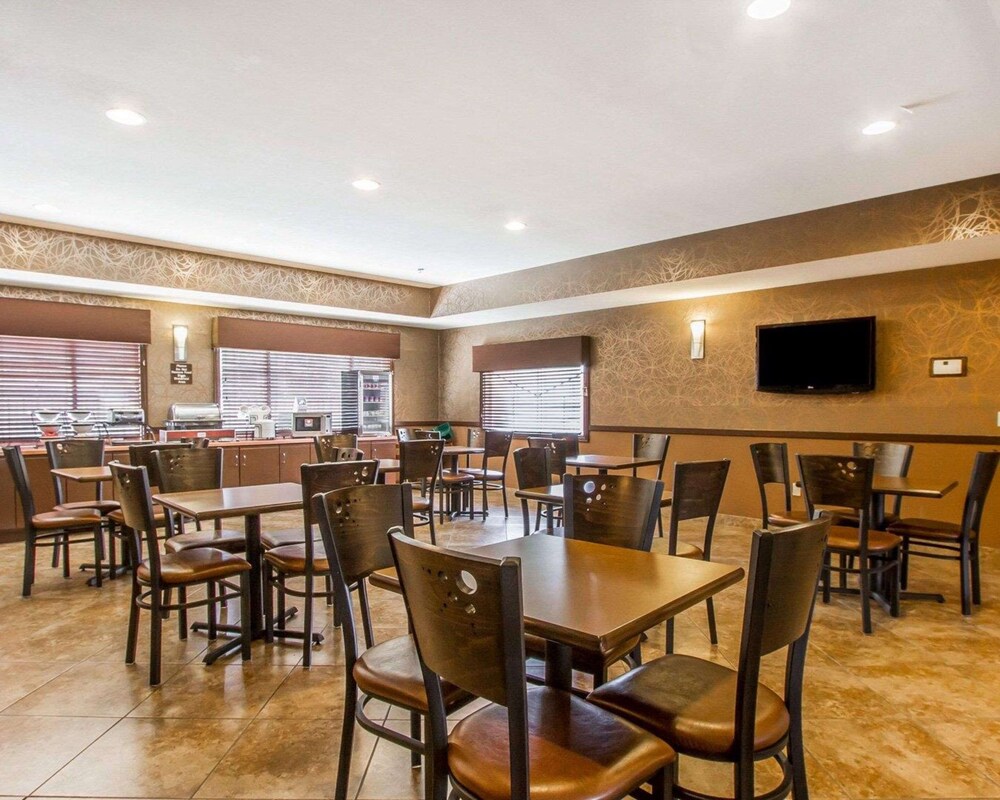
[835, 356]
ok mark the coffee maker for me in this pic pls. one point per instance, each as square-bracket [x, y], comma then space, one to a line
[260, 418]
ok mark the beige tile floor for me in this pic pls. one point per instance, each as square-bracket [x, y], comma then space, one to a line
[912, 711]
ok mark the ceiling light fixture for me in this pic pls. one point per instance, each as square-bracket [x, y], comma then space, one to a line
[125, 116]
[366, 184]
[768, 9]
[879, 127]
[515, 225]
[46, 208]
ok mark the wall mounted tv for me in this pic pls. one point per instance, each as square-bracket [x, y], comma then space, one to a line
[834, 356]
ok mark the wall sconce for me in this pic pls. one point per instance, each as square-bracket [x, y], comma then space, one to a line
[697, 339]
[180, 342]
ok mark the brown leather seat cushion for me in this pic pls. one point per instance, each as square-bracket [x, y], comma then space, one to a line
[76, 518]
[200, 564]
[385, 579]
[479, 474]
[230, 541]
[391, 670]
[927, 529]
[449, 478]
[785, 519]
[685, 550]
[691, 703]
[102, 506]
[583, 660]
[576, 750]
[292, 557]
[159, 516]
[843, 537]
[421, 503]
[271, 539]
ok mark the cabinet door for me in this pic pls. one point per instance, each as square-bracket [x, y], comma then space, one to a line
[230, 466]
[259, 465]
[293, 456]
[384, 448]
[9, 505]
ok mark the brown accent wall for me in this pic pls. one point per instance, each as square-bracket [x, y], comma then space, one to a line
[20, 317]
[287, 337]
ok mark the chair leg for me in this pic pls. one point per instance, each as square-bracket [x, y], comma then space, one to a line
[346, 740]
[268, 603]
[65, 555]
[659, 523]
[98, 555]
[366, 614]
[866, 600]
[112, 552]
[245, 615]
[966, 571]
[415, 733]
[329, 592]
[843, 574]
[713, 634]
[155, 636]
[826, 577]
[894, 588]
[307, 618]
[538, 516]
[55, 551]
[210, 610]
[29, 564]
[904, 566]
[133, 624]
[797, 761]
[182, 614]
[977, 596]
[430, 520]
[743, 780]
[668, 646]
[662, 784]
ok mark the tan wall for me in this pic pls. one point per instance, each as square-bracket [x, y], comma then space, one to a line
[415, 372]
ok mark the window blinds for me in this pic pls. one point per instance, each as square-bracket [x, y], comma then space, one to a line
[260, 377]
[533, 400]
[64, 374]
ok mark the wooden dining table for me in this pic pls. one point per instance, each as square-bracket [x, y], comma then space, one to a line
[96, 476]
[551, 496]
[884, 486]
[595, 597]
[605, 463]
[249, 502]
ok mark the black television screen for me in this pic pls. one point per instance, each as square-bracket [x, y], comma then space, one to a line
[835, 356]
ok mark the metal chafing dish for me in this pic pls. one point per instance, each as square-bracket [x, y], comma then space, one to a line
[194, 416]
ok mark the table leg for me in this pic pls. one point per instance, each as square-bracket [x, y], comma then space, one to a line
[526, 517]
[558, 665]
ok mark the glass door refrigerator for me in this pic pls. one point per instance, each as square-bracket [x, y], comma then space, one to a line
[375, 390]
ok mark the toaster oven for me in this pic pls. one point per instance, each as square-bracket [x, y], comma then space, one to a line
[311, 423]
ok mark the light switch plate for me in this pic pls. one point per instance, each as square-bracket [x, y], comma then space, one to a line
[952, 367]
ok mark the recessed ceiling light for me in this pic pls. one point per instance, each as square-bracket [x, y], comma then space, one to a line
[46, 208]
[515, 225]
[768, 9]
[125, 116]
[879, 127]
[366, 184]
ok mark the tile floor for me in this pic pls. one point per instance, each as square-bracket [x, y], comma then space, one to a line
[912, 711]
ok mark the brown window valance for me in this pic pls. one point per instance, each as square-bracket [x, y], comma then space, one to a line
[287, 337]
[568, 351]
[53, 320]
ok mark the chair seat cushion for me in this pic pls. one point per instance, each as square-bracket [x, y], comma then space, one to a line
[391, 670]
[785, 519]
[292, 558]
[685, 550]
[421, 503]
[691, 704]
[71, 518]
[101, 506]
[230, 541]
[915, 527]
[269, 539]
[843, 537]
[190, 566]
[576, 751]
[583, 660]
[488, 474]
[449, 478]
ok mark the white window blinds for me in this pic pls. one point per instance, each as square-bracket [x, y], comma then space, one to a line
[63, 375]
[328, 383]
[547, 400]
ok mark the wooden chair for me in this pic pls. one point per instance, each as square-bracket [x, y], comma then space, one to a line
[770, 465]
[892, 459]
[466, 613]
[152, 577]
[420, 465]
[353, 523]
[652, 445]
[939, 539]
[698, 487]
[708, 711]
[307, 560]
[57, 528]
[558, 453]
[619, 511]
[404, 434]
[531, 465]
[420, 433]
[496, 445]
[846, 482]
[328, 447]
[474, 437]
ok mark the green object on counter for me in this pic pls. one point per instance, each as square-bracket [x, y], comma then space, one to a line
[445, 430]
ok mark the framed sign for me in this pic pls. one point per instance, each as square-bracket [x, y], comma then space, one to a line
[181, 372]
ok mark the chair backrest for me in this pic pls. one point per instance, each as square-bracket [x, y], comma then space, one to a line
[404, 434]
[532, 467]
[133, 490]
[651, 445]
[557, 452]
[19, 475]
[66, 453]
[427, 434]
[330, 476]
[328, 445]
[892, 459]
[844, 481]
[141, 455]
[474, 437]
[616, 510]
[466, 614]
[420, 459]
[785, 567]
[697, 493]
[496, 444]
[983, 470]
[189, 469]
[770, 465]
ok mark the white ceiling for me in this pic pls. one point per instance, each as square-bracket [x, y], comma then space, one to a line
[600, 123]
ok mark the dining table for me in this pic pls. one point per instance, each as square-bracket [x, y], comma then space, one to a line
[249, 502]
[552, 496]
[595, 597]
[97, 476]
[603, 464]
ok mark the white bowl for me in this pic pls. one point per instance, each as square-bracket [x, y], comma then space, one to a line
[45, 417]
[49, 430]
[83, 427]
[78, 416]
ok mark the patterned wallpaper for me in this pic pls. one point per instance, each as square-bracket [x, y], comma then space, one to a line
[416, 371]
[41, 250]
[954, 211]
[642, 372]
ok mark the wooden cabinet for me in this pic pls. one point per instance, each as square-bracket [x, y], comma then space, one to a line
[292, 457]
[384, 448]
[231, 466]
[9, 505]
[259, 464]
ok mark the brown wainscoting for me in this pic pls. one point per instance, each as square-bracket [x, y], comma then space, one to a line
[937, 438]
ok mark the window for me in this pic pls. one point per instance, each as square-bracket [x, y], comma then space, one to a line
[63, 375]
[546, 400]
[328, 383]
